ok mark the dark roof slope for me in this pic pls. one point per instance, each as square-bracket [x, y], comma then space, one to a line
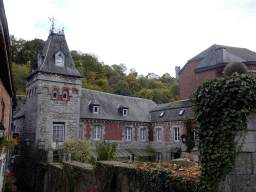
[57, 42]
[20, 114]
[172, 115]
[109, 103]
[220, 55]
[171, 111]
[172, 105]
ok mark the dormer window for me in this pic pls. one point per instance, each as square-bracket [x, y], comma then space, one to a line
[59, 59]
[65, 95]
[55, 95]
[125, 112]
[96, 109]
[181, 112]
[94, 106]
[161, 114]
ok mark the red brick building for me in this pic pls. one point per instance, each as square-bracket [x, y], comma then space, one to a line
[210, 64]
[7, 91]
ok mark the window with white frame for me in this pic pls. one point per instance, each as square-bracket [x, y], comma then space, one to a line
[159, 156]
[128, 134]
[159, 134]
[97, 133]
[176, 132]
[96, 109]
[58, 132]
[125, 112]
[65, 95]
[55, 95]
[142, 134]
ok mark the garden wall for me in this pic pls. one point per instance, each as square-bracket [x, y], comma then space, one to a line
[53, 177]
[243, 177]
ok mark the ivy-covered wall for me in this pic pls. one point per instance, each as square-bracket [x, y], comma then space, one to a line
[227, 141]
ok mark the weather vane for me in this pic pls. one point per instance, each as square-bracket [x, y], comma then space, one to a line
[53, 30]
[52, 20]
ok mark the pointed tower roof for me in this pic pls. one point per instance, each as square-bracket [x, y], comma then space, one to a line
[56, 57]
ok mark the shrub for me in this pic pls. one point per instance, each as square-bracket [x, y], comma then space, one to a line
[106, 151]
[81, 150]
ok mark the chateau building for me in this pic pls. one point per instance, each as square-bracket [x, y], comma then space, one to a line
[58, 108]
[210, 64]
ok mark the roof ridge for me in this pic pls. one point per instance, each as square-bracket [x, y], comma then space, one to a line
[117, 94]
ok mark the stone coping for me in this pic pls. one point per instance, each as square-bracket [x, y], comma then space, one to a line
[117, 163]
[79, 164]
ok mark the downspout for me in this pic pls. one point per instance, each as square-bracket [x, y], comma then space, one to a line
[251, 70]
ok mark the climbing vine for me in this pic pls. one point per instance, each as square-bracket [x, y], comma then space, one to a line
[221, 107]
[190, 142]
[158, 180]
[71, 176]
[107, 176]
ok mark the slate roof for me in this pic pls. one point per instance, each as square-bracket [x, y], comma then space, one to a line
[138, 108]
[57, 42]
[20, 114]
[220, 55]
[172, 105]
[171, 111]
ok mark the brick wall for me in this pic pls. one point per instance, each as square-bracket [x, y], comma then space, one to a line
[187, 80]
[114, 131]
[5, 113]
[5, 98]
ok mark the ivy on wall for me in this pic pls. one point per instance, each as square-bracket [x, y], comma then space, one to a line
[221, 107]
[71, 177]
[107, 176]
[190, 142]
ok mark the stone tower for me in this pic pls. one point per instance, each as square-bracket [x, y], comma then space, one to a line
[52, 109]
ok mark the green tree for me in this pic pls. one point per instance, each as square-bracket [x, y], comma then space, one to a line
[20, 72]
[133, 72]
[121, 68]
[16, 47]
[123, 88]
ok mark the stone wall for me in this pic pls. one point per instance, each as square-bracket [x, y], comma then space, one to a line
[55, 178]
[41, 112]
[243, 177]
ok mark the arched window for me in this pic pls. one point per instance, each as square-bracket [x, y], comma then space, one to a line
[65, 95]
[55, 95]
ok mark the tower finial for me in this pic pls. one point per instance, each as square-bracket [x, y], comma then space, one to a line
[52, 20]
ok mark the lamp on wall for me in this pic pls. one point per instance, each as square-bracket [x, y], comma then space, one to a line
[2, 129]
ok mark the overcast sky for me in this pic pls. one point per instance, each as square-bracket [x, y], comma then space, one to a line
[150, 36]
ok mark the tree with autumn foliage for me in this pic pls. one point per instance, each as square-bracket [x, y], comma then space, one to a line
[97, 75]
